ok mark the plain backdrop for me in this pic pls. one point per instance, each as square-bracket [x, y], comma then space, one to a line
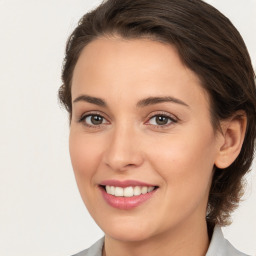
[41, 212]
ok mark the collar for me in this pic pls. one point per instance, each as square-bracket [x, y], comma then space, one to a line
[219, 246]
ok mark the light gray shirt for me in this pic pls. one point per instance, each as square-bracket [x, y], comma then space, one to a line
[219, 246]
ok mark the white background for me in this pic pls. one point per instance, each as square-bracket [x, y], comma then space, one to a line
[41, 212]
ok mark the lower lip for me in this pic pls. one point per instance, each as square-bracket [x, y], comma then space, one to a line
[126, 203]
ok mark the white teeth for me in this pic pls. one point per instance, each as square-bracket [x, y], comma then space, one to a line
[128, 191]
[150, 189]
[137, 191]
[108, 189]
[119, 191]
[144, 190]
[112, 190]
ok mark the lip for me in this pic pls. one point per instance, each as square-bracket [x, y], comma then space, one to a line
[126, 203]
[125, 183]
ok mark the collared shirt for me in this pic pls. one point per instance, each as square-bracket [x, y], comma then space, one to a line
[219, 246]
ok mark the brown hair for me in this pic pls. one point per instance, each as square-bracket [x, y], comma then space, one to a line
[209, 45]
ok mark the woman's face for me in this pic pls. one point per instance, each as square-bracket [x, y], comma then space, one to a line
[140, 121]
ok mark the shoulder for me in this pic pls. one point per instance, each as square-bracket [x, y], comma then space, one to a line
[219, 246]
[94, 250]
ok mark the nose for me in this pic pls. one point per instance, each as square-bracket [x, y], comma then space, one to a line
[123, 151]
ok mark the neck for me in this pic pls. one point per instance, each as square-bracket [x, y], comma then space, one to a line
[189, 239]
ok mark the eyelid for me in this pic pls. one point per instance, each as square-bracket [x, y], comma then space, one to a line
[91, 113]
[174, 119]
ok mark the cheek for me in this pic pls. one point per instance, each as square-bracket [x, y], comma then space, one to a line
[185, 164]
[185, 153]
[85, 155]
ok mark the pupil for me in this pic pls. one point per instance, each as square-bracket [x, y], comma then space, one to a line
[161, 120]
[96, 120]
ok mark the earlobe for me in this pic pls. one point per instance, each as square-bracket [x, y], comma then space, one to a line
[233, 133]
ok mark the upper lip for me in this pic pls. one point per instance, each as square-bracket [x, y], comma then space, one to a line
[125, 183]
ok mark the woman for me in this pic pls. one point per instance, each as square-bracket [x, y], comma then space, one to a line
[162, 104]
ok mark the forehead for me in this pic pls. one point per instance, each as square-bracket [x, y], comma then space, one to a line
[131, 67]
[117, 52]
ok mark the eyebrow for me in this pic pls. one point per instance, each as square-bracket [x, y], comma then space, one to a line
[155, 100]
[90, 99]
[142, 103]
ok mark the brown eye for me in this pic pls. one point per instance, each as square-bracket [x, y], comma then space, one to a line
[161, 120]
[94, 120]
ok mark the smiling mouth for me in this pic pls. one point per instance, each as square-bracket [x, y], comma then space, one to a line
[128, 191]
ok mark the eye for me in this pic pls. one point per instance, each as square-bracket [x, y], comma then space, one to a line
[93, 120]
[161, 120]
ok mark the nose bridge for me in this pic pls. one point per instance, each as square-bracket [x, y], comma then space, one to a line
[123, 150]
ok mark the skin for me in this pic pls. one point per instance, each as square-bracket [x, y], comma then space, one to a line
[178, 157]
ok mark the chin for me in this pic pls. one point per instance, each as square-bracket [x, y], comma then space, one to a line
[128, 232]
[128, 235]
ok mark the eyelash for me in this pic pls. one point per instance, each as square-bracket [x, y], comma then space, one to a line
[170, 118]
[82, 120]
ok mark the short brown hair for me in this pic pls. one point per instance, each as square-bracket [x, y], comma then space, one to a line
[208, 44]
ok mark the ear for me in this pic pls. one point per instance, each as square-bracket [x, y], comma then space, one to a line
[233, 133]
